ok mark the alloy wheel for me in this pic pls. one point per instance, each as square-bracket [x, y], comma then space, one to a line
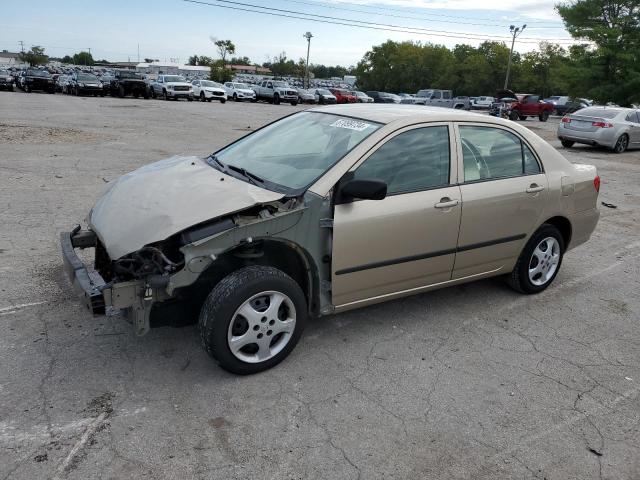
[261, 327]
[544, 261]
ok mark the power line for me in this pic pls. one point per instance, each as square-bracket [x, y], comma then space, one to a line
[423, 17]
[391, 9]
[361, 24]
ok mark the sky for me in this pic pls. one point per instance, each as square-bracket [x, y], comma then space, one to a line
[172, 30]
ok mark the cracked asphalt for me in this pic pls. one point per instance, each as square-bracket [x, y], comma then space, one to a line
[471, 382]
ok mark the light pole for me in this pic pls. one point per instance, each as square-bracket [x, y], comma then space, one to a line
[515, 33]
[308, 36]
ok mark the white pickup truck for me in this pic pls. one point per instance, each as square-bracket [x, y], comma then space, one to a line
[171, 87]
[441, 98]
[276, 91]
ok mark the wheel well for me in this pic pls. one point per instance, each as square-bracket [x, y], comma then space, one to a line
[283, 255]
[564, 225]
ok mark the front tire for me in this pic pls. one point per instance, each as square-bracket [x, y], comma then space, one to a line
[252, 319]
[276, 99]
[121, 91]
[544, 116]
[514, 116]
[539, 262]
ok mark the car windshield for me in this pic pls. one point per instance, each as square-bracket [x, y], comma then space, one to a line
[208, 83]
[38, 73]
[86, 77]
[324, 92]
[174, 78]
[424, 93]
[280, 84]
[240, 85]
[292, 153]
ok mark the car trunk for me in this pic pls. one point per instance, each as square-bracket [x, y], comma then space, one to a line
[583, 124]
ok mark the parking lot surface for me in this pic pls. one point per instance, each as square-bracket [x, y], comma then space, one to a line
[473, 381]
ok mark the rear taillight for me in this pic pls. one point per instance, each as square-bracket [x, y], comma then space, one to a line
[602, 124]
[566, 120]
[596, 183]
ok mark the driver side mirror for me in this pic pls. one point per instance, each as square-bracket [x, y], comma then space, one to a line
[363, 190]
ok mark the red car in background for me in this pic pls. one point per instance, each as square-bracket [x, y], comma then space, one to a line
[343, 96]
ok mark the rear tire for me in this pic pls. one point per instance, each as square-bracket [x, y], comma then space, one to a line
[294, 103]
[567, 143]
[269, 334]
[121, 91]
[235, 97]
[544, 116]
[514, 116]
[538, 265]
[622, 144]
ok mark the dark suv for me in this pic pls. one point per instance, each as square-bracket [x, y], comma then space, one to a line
[383, 97]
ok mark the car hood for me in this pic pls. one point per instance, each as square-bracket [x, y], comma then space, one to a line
[178, 84]
[214, 89]
[246, 91]
[161, 199]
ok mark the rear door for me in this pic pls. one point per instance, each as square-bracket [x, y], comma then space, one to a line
[503, 190]
[406, 241]
[634, 128]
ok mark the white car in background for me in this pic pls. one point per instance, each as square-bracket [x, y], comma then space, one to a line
[482, 102]
[363, 97]
[239, 92]
[171, 87]
[207, 90]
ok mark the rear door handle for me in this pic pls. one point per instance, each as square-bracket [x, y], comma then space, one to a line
[535, 188]
[446, 202]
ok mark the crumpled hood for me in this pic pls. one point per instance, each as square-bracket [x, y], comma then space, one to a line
[158, 200]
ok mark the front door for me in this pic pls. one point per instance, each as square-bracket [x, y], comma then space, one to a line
[503, 196]
[407, 240]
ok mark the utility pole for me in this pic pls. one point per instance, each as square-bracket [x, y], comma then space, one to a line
[138, 53]
[515, 33]
[308, 36]
[21, 46]
[85, 58]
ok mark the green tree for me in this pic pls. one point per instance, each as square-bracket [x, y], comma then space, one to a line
[83, 58]
[67, 59]
[225, 47]
[614, 27]
[219, 73]
[35, 56]
[240, 61]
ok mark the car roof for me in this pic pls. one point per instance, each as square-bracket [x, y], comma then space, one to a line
[388, 113]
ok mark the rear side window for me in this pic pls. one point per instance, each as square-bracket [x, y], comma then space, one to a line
[633, 117]
[446, 95]
[411, 161]
[491, 153]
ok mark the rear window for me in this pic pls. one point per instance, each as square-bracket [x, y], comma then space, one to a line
[598, 112]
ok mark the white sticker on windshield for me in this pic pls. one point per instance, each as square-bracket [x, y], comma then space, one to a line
[350, 124]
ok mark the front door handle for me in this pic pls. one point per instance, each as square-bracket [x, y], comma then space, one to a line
[535, 188]
[446, 202]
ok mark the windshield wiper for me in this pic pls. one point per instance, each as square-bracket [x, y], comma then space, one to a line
[252, 177]
[223, 167]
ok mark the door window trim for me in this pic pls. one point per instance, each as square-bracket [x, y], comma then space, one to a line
[523, 141]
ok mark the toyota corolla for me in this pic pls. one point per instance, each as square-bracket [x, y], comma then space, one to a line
[324, 211]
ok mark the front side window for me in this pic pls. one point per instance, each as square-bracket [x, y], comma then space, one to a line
[295, 151]
[436, 95]
[490, 153]
[446, 95]
[411, 161]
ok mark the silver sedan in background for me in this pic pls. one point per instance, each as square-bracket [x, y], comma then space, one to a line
[612, 127]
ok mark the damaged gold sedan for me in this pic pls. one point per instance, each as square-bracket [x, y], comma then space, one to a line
[324, 211]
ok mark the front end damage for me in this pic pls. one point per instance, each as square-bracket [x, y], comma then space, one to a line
[179, 267]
